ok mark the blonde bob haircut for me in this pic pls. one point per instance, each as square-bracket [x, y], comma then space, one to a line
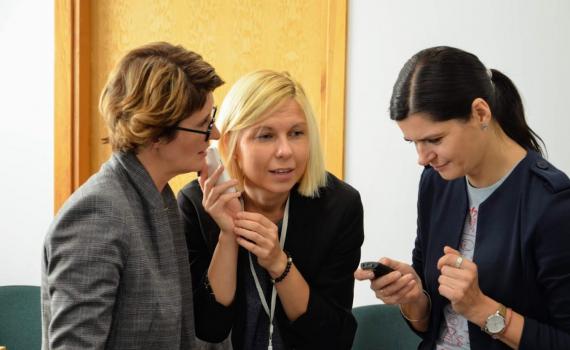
[152, 89]
[250, 100]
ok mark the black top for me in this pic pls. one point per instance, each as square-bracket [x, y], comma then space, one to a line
[522, 250]
[256, 325]
[324, 238]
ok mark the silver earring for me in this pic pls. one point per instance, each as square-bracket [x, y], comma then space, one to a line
[484, 126]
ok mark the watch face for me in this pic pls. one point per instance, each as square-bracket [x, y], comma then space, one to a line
[495, 324]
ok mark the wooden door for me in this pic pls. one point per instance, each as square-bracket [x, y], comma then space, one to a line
[304, 37]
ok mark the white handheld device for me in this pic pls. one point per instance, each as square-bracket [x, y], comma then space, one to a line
[213, 160]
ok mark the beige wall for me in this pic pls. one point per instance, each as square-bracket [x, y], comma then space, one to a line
[305, 38]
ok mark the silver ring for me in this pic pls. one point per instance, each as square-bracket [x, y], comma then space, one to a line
[458, 262]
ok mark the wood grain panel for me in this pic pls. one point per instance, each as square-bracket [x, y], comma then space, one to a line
[305, 38]
[81, 92]
[72, 97]
[333, 87]
[63, 104]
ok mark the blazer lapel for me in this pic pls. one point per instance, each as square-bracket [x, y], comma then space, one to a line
[301, 236]
[449, 218]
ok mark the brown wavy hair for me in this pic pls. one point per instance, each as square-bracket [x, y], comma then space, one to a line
[151, 90]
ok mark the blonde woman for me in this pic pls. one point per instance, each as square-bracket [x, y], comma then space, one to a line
[115, 265]
[279, 273]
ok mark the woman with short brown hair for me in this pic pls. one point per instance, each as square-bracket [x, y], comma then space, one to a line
[115, 272]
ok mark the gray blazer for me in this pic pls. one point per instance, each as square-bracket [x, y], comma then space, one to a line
[115, 270]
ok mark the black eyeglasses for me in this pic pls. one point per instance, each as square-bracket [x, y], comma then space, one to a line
[208, 131]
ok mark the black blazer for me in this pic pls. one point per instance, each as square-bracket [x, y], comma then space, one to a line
[324, 238]
[522, 250]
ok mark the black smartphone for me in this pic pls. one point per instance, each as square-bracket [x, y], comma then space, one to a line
[378, 268]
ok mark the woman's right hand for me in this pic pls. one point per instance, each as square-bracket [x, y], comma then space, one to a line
[402, 286]
[221, 206]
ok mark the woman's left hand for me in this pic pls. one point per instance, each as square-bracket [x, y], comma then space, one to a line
[259, 235]
[459, 282]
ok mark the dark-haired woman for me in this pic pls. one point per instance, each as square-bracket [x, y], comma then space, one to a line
[491, 262]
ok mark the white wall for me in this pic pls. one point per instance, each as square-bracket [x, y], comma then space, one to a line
[26, 136]
[527, 40]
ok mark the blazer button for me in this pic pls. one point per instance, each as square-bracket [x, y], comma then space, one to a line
[542, 164]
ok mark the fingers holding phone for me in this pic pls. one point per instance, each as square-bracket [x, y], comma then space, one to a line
[377, 268]
[220, 198]
[392, 281]
[371, 270]
[214, 163]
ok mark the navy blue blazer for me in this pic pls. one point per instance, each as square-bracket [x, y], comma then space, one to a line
[324, 238]
[522, 250]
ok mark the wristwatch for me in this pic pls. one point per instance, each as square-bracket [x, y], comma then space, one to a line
[495, 324]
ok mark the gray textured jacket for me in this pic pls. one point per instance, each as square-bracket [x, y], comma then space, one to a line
[115, 270]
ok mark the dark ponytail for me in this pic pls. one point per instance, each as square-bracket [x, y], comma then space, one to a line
[508, 110]
[443, 81]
